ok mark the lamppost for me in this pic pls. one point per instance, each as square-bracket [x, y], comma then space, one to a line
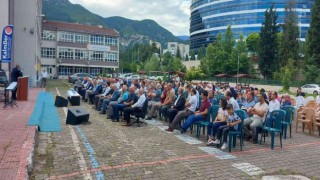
[238, 66]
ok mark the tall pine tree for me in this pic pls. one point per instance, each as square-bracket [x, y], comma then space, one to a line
[268, 44]
[178, 55]
[313, 48]
[290, 38]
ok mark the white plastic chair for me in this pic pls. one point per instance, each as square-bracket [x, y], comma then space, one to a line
[318, 100]
[310, 98]
[300, 101]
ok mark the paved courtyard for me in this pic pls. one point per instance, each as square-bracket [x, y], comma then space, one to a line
[103, 149]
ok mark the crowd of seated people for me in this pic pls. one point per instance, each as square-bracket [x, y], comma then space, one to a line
[175, 102]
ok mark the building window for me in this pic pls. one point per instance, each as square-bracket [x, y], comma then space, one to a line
[96, 39]
[48, 35]
[65, 53]
[81, 54]
[95, 71]
[66, 36]
[65, 70]
[96, 56]
[111, 41]
[110, 56]
[80, 70]
[48, 52]
[82, 38]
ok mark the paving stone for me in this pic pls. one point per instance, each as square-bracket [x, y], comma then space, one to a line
[149, 152]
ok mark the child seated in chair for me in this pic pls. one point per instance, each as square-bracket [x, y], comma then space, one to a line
[232, 125]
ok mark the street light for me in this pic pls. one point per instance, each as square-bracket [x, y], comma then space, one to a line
[238, 68]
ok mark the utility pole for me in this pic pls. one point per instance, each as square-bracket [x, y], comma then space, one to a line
[238, 68]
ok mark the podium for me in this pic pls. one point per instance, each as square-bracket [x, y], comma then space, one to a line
[23, 88]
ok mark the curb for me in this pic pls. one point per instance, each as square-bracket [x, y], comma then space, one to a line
[27, 154]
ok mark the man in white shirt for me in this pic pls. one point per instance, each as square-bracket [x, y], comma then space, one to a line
[259, 112]
[191, 107]
[274, 103]
[232, 101]
[135, 107]
[44, 76]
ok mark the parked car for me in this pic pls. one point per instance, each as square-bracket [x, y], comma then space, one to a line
[311, 89]
[133, 77]
[75, 76]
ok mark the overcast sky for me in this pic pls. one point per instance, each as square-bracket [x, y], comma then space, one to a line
[170, 14]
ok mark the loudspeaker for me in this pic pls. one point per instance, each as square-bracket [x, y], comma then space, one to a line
[77, 116]
[74, 100]
[61, 102]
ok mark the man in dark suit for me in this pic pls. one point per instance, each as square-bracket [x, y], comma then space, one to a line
[15, 74]
[97, 91]
[178, 105]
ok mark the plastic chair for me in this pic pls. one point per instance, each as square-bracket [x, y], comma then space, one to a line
[140, 114]
[317, 122]
[273, 125]
[233, 134]
[212, 114]
[290, 110]
[306, 118]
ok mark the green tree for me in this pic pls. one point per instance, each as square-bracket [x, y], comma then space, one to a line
[178, 55]
[194, 74]
[229, 41]
[253, 43]
[201, 53]
[187, 57]
[240, 58]
[215, 59]
[313, 49]
[152, 64]
[133, 67]
[268, 44]
[154, 48]
[286, 75]
[192, 55]
[289, 47]
[166, 59]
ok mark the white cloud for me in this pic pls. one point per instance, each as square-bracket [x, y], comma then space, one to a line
[170, 14]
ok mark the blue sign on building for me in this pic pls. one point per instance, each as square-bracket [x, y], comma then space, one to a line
[6, 44]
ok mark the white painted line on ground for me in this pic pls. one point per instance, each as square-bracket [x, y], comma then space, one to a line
[154, 122]
[190, 140]
[76, 144]
[184, 137]
[217, 153]
[163, 128]
[248, 168]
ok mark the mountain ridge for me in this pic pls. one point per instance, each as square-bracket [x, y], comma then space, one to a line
[131, 31]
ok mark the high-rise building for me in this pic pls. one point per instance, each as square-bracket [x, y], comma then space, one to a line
[210, 17]
[69, 48]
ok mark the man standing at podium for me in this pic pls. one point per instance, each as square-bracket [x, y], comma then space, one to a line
[15, 74]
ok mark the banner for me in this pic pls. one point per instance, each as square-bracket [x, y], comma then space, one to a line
[6, 44]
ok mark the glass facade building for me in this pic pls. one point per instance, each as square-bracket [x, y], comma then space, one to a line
[210, 17]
